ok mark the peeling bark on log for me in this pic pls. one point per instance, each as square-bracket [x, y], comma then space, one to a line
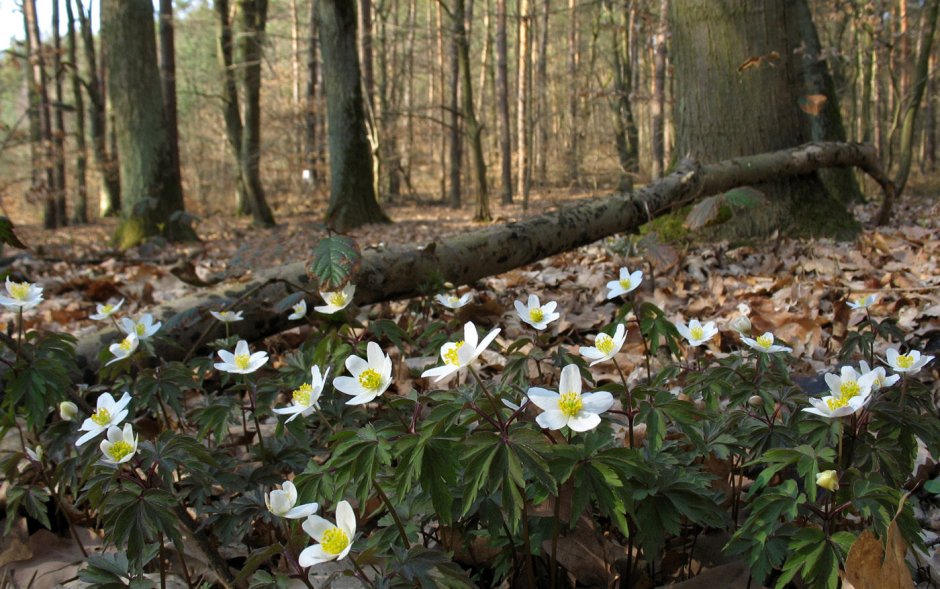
[394, 273]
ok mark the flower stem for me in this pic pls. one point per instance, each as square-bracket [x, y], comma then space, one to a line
[254, 416]
[491, 398]
[639, 328]
[629, 407]
[360, 573]
[393, 512]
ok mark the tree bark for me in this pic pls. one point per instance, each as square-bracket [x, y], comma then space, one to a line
[43, 172]
[352, 195]
[542, 117]
[502, 99]
[400, 272]
[657, 105]
[107, 164]
[231, 112]
[58, 133]
[454, 130]
[626, 137]
[168, 82]
[523, 114]
[311, 154]
[574, 56]
[80, 209]
[153, 195]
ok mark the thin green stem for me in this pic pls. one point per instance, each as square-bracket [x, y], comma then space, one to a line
[254, 416]
[629, 404]
[489, 396]
[639, 329]
[393, 512]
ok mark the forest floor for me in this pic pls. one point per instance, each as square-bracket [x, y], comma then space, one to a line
[797, 289]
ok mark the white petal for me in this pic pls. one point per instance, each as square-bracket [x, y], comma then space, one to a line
[314, 555]
[598, 402]
[533, 301]
[346, 519]
[552, 420]
[91, 434]
[375, 355]
[227, 357]
[356, 365]
[570, 381]
[521, 309]
[363, 398]
[470, 335]
[544, 399]
[315, 526]
[583, 421]
[241, 348]
[440, 372]
[300, 511]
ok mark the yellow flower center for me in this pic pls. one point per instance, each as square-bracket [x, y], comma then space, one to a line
[242, 361]
[370, 380]
[106, 309]
[604, 343]
[125, 344]
[334, 541]
[302, 395]
[19, 290]
[536, 315]
[140, 329]
[625, 284]
[697, 333]
[119, 450]
[835, 403]
[337, 299]
[765, 341]
[450, 356]
[453, 300]
[570, 404]
[849, 389]
[905, 361]
[298, 308]
[860, 301]
[101, 416]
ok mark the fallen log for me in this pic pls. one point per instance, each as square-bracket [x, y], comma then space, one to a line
[399, 272]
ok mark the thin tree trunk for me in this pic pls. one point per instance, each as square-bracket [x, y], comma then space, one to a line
[254, 14]
[454, 128]
[230, 108]
[485, 56]
[626, 139]
[46, 181]
[523, 115]
[311, 160]
[80, 209]
[930, 124]
[574, 57]
[541, 82]
[168, 82]
[866, 53]
[294, 54]
[58, 133]
[409, 92]
[365, 50]
[502, 99]
[442, 83]
[657, 105]
[107, 164]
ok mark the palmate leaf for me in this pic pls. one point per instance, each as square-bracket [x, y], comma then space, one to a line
[7, 236]
[335, 259]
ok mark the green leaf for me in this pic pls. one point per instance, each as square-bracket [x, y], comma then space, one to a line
[335, 259]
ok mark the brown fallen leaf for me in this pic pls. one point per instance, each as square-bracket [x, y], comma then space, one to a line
[871, 566]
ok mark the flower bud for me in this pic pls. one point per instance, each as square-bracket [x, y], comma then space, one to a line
[741, 324]
[68, 410]
[756, 401]
[829, 480]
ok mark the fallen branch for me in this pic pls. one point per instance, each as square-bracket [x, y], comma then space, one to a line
[399, 272]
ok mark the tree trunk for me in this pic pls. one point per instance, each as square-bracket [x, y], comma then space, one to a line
[254, 15]
[753, 111]
[574, 56]
[107, 164]
[657, 105]
[400, 272]
[474, 129]
[80, 209]
[455, 134]
[502, 99]
[352, 196]
[523, 116]
[58, 133]
[153, 195]
[311, 159]
[930, 124]
[409, 92]
[626, 138]
[168, 82]
[231, 112]
[43, 173]
[542, 117]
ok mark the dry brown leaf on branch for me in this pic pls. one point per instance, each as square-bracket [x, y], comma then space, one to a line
[871, 566]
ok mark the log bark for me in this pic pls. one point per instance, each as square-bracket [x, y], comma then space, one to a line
[400, 272]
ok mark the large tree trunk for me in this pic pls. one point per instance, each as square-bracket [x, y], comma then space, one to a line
[254, 16]
[152, 192]
[502, 99]
[729, 107]
[626, 135]
[107, 164]
[399, 272]
[168, 81]
[80, 210]
[352, 195]
[231, 112]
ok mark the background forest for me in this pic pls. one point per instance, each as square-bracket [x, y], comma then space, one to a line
[569, 94]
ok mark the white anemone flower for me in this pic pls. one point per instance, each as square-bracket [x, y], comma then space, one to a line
[144, 327]
[696, 333]
[741, 324]
[627, 283]
[337, 300]
[120, 446]
[850, 392]
[300, 311]
[460, 354]
[124, 348]
[241, 361]
[283, 503]
[68, 411]
[370, 378]
[21, 295]
[909, 363]
[568, 407]
[227, 316]
[881, 380]
[765, 343]
[106, 310]
[108, 412]
[334, 541]
[306, 399]
[536, 314]
[605, 347]
[862, 302]
[452, 301]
